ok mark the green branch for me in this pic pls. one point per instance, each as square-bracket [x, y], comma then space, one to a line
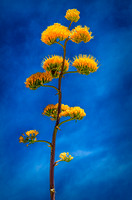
[69, 25]
[70, 72]
[59, 44]
[65, 121]
[51, 86]
[55, 164]
[43, 141]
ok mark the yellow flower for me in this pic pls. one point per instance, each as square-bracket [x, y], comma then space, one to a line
[21, 139]
[65, 157]
[72, 15]
[79, 34]
[53, 65]
[73, 112]
[51, 110]
[54, 32]
[32, 132]
[66, 111]
[31, 137]
[64, 107]
[38, 79]
[85, 64]
[62, 156]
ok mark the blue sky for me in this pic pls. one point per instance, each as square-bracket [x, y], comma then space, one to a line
[101, 142]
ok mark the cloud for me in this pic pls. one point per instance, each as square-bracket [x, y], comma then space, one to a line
[81, 153]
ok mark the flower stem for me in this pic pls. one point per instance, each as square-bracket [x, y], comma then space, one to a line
[57, 162]
[59, 44]
[70, 25]
[43, 141]
[52, 189]
[65, 121]
[70, 72]
[52, 158]
[51, 86]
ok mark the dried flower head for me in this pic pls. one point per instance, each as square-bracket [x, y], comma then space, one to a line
[54, 32]
[72, 15]
[53, 65]
[79, 34]
[38, 79]
[85, 64]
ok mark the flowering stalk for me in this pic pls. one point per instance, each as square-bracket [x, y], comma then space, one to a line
[55, 67]
[52, 159]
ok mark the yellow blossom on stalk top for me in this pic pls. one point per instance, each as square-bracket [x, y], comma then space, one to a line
[38, 79]
[54, 32]
[53, 65]
[79, 34]
[85, 64]
[65, 157]
[72, 15]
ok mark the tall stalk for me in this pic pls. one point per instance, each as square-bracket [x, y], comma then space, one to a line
[52, 157]
[84, 65]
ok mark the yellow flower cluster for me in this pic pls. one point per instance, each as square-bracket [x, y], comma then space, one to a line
[74, 113]
[21, 139]
[51, 110]
[79, 34]
[32, 132]
[53, 65]
[30, 137]
[38, 79]
[72, 15]
[66, 111]
[85, 64]
[65, 157]
[54, 32]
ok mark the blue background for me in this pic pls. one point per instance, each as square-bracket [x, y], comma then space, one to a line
[101, 143]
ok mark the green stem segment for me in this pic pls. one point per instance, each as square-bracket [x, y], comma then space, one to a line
[44, 141]
[51, 86]
[70, 72]
[59, 44]
[52, 158]
[65, 121]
